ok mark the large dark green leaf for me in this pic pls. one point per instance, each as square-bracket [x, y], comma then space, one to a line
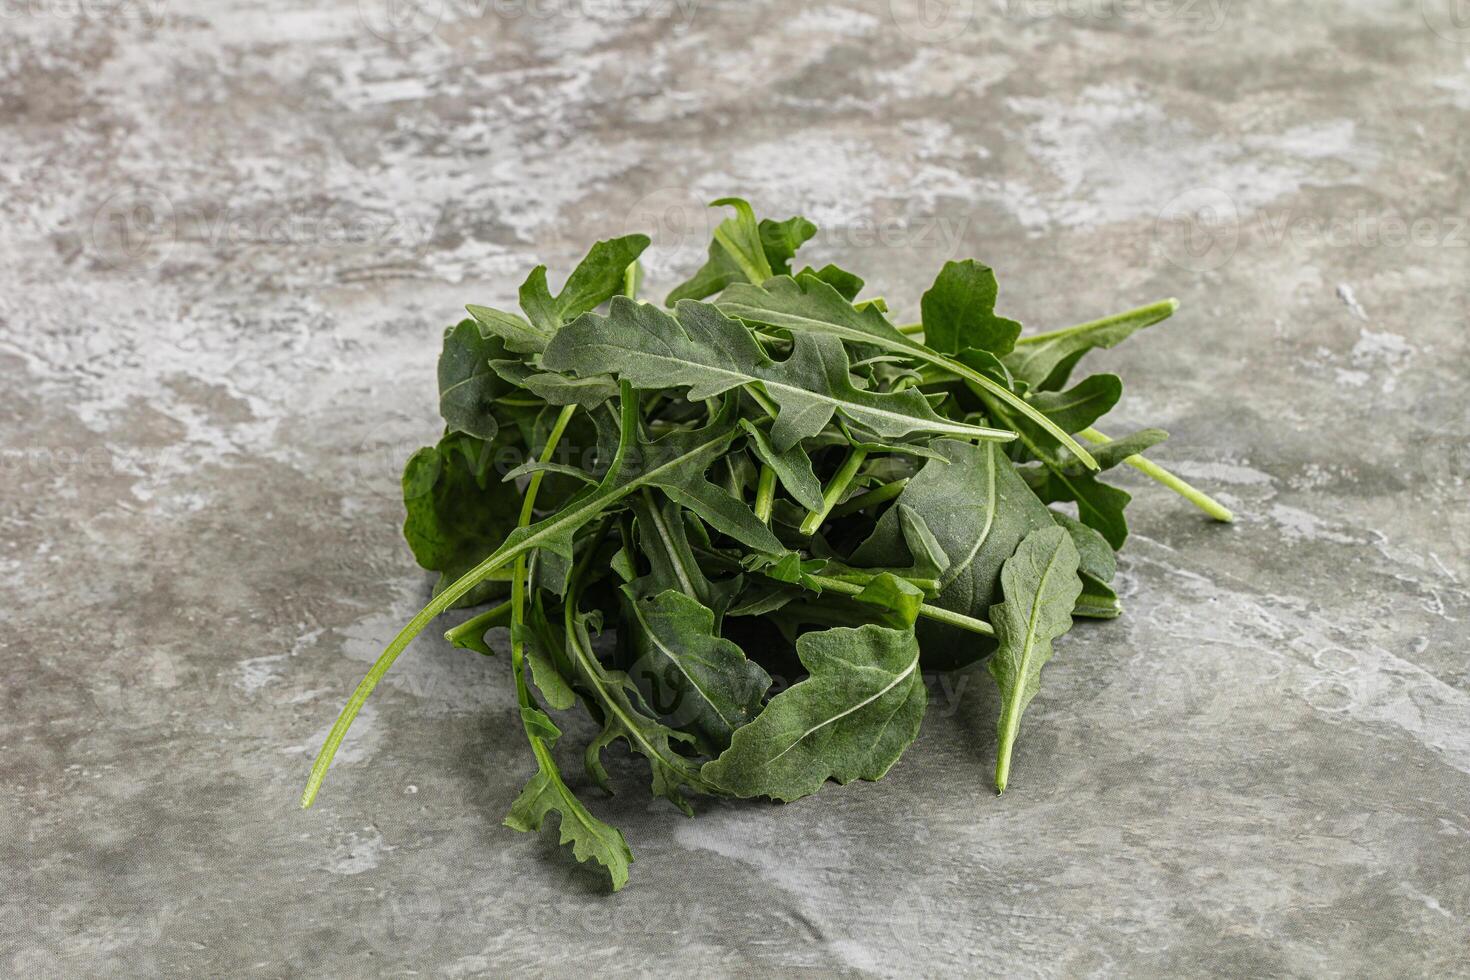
[1041, 587]
[976, 509]
[1080, 405]
[468, 386]
[453, 520]
[615, 694]
[696, 681]
[959, 311]
[1099, 505]
[851, 718]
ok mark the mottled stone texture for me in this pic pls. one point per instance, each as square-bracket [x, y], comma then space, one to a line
[230, 234]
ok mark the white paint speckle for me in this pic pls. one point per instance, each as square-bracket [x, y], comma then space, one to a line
[1350, 300]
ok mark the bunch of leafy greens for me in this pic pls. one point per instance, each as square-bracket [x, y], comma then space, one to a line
[765, 486]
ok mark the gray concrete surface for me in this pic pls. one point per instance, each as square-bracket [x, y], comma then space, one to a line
[232, 232]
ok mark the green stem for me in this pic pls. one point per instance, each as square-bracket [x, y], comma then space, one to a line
[927, 611]
[470, 634]
[413, 628]
[1155, 472]
[872, 498]
[911, 328]
[632, 279]
[763, 400]
[765, 494]
[518, 578]
[1152, 313]
[834, 490]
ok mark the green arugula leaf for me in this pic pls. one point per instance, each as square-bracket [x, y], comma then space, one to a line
[545, 793]
[512, 329]
[599, 276]
[712, 354]
[596, 279]
[1095, 556]
[468, 386]
[847, 284]
[1041, 587]
[959, 311]
[452, 520]
[538, 304]
[1099, 505]
[792, 467]
[1079, 406]
[693, 678]
[558, 389]
[744, 250]
[780, 241]
[1097, 601]
[1113, 453]
[853, 716]
[809, 305]
[1096, 566]
[977, 510]
[1045, 361]
[622, 719]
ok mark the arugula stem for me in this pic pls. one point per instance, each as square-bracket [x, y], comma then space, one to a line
[765, 494]
[597, 677]
[416, 625]
[518, 577]
[763, 400]
[872, 498]
[632, 279]
[469, 635]
[925, 609]
[1001, 392]
[1155, 472]
[1152, 313]
[834, 490]
[911, 328]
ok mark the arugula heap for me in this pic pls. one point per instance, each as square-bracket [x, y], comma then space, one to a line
[765, 480]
